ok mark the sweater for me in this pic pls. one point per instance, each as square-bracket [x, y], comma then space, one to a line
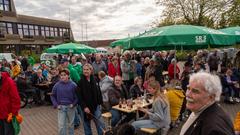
[104, 85]
[160, 113]
[64, 93]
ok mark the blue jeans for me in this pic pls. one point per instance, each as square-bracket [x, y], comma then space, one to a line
[143, 124]
[66, 115]
[77, 115]
[116, 116]
[149, 124]
[229, 92]
[99, 123]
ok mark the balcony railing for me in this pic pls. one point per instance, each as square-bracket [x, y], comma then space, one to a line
[50, 39]
[27, 38]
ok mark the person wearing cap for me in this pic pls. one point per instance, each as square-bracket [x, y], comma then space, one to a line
[64, 99]
[207, 117]
[9, 103]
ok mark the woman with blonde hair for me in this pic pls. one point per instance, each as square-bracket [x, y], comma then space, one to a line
[137, 88]
[159, 116]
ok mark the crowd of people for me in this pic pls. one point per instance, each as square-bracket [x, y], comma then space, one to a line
[82, 88]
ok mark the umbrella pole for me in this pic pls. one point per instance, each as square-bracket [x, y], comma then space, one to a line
[175, 63]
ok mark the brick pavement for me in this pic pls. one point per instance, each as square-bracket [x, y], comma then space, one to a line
[43, 120]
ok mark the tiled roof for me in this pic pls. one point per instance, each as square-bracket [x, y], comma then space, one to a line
[42, 21]
[99, 43]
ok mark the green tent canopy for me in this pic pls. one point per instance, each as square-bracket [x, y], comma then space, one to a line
[234, 31]
[74, 48]
[186, 37]
[124, 43]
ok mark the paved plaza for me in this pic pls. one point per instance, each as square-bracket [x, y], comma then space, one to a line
[42, 120]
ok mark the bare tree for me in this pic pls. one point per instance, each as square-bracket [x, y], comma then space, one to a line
[196, 12]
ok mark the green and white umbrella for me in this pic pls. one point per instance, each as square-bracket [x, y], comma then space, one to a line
[186, 37]
[234, 31]
[74, 48]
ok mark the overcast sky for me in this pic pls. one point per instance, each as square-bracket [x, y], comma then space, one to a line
[105, 19]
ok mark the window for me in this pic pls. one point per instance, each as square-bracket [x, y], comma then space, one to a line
[61, 32]
[9, 28]
[36, 30]
[25, 30]
[3, 29]
[47, 31]
[1, 5]
[20, 30]
[65, 33]
[31, 30]
[5, 5]
[42, 31]
[56, 32]
[51, 32]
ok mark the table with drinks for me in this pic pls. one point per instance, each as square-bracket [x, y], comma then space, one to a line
[129, 106]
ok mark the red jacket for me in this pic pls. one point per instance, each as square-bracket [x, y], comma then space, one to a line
[112, 71]
[171, 71]
[9, 97]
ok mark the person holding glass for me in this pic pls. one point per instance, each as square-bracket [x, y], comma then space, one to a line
[159, 116]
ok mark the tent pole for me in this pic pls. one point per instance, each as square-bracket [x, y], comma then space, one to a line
[175, 62]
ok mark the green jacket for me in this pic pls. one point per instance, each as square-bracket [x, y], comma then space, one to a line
[31, 60]
[74, 75]
[79, 69]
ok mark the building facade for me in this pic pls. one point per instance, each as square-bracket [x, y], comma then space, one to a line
[27, 33]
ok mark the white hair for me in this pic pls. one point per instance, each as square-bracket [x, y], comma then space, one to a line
[211, 83]
[126, 53]
[173, 60]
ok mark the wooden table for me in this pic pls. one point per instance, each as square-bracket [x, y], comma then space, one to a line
[135, 106]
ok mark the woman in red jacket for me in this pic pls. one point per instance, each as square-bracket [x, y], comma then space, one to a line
[171, 70]
[114, 67]
[9, 103]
